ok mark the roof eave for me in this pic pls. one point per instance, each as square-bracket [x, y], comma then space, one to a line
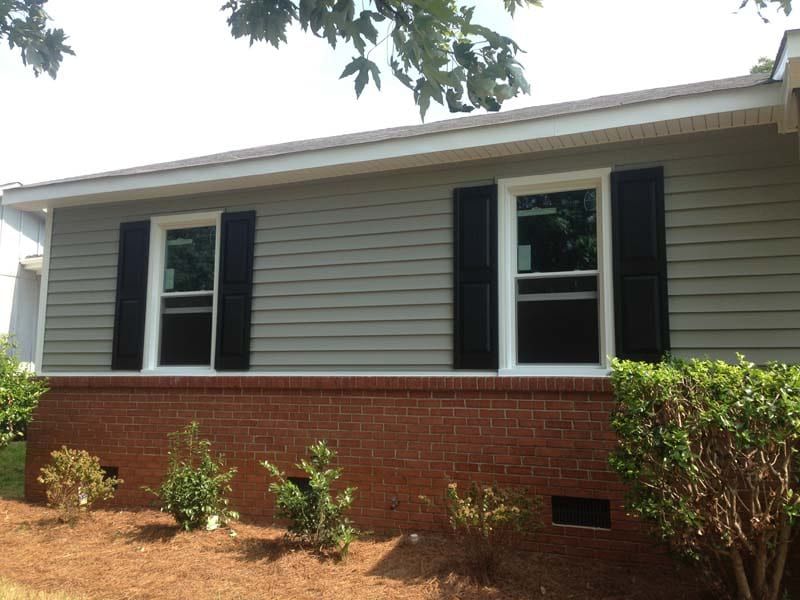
[790, 46]
[437, 147]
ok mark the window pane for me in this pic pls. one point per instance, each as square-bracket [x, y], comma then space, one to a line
[189, 260]
[557, 321]
[186, 330]
[557, 231]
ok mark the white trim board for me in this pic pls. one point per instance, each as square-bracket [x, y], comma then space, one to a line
[41, 319]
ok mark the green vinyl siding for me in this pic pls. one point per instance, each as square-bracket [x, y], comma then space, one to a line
[355, 274]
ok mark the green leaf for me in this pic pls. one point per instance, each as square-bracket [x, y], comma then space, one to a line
[436, 49]
[362, 68]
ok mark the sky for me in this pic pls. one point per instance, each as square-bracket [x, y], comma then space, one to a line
[158, 80]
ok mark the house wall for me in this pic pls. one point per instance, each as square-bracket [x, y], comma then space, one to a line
[356, 274]
[21, 235]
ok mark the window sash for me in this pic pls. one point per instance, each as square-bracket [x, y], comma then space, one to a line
[159, 226]
[508, 191]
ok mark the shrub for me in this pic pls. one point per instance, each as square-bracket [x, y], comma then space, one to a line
[489, 520]
[20, 391]
[710, 452]
[195, 488]
[315, 517]
[74, 482]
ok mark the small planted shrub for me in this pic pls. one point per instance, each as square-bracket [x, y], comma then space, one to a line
[315, 516]
[196, 486]
[487, 521]
[74, 481]
[20, 390]
[710, 452]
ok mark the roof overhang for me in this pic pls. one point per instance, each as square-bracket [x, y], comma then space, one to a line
[790, 47]
[33, 263]
[737, 102]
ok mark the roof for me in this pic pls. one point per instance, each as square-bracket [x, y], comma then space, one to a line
[455, 124]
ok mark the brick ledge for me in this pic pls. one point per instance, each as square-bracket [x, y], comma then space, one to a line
[339, 382]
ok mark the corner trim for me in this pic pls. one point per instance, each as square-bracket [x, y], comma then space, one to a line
[42, 316]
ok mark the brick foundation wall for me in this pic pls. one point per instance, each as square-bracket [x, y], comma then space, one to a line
[397, 438]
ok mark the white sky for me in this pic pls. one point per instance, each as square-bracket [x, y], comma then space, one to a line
[156, 80]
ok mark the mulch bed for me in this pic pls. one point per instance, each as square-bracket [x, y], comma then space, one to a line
[142, 554]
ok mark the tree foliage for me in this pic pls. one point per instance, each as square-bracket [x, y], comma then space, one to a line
[711, 452]
[764, 65]
[435, 47]
[23, 23]
[784, 6]
[20, 391]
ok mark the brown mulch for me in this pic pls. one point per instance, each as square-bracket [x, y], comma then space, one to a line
[142, 554]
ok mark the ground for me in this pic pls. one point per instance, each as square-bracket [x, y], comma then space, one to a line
[11, 591]
[12, 471]
[142, 554]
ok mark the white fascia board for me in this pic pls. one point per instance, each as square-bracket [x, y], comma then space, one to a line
[264, 171]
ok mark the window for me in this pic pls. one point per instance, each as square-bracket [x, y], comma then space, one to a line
[181, 311]
[555, 284]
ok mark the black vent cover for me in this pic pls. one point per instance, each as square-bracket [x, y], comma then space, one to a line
[109, 472]
[581, 512]
[301, 482]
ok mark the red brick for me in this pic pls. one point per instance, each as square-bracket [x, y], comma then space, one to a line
[396, 437]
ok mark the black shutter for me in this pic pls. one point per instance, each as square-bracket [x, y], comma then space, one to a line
[129, 312]
[640, 264]
[235, 290]
[475, 284]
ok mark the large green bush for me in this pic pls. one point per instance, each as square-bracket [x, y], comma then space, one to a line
[20, 391]
[711, 453]
[315, 516]
[196, 486]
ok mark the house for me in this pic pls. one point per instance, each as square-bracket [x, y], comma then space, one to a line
[21, 246]
[436, 301]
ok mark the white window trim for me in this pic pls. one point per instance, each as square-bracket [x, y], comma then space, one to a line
[155, 268]
[507, 191]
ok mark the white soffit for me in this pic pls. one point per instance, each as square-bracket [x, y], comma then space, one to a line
[746, 101]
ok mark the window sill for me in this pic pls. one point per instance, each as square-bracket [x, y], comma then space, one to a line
[556, 371]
